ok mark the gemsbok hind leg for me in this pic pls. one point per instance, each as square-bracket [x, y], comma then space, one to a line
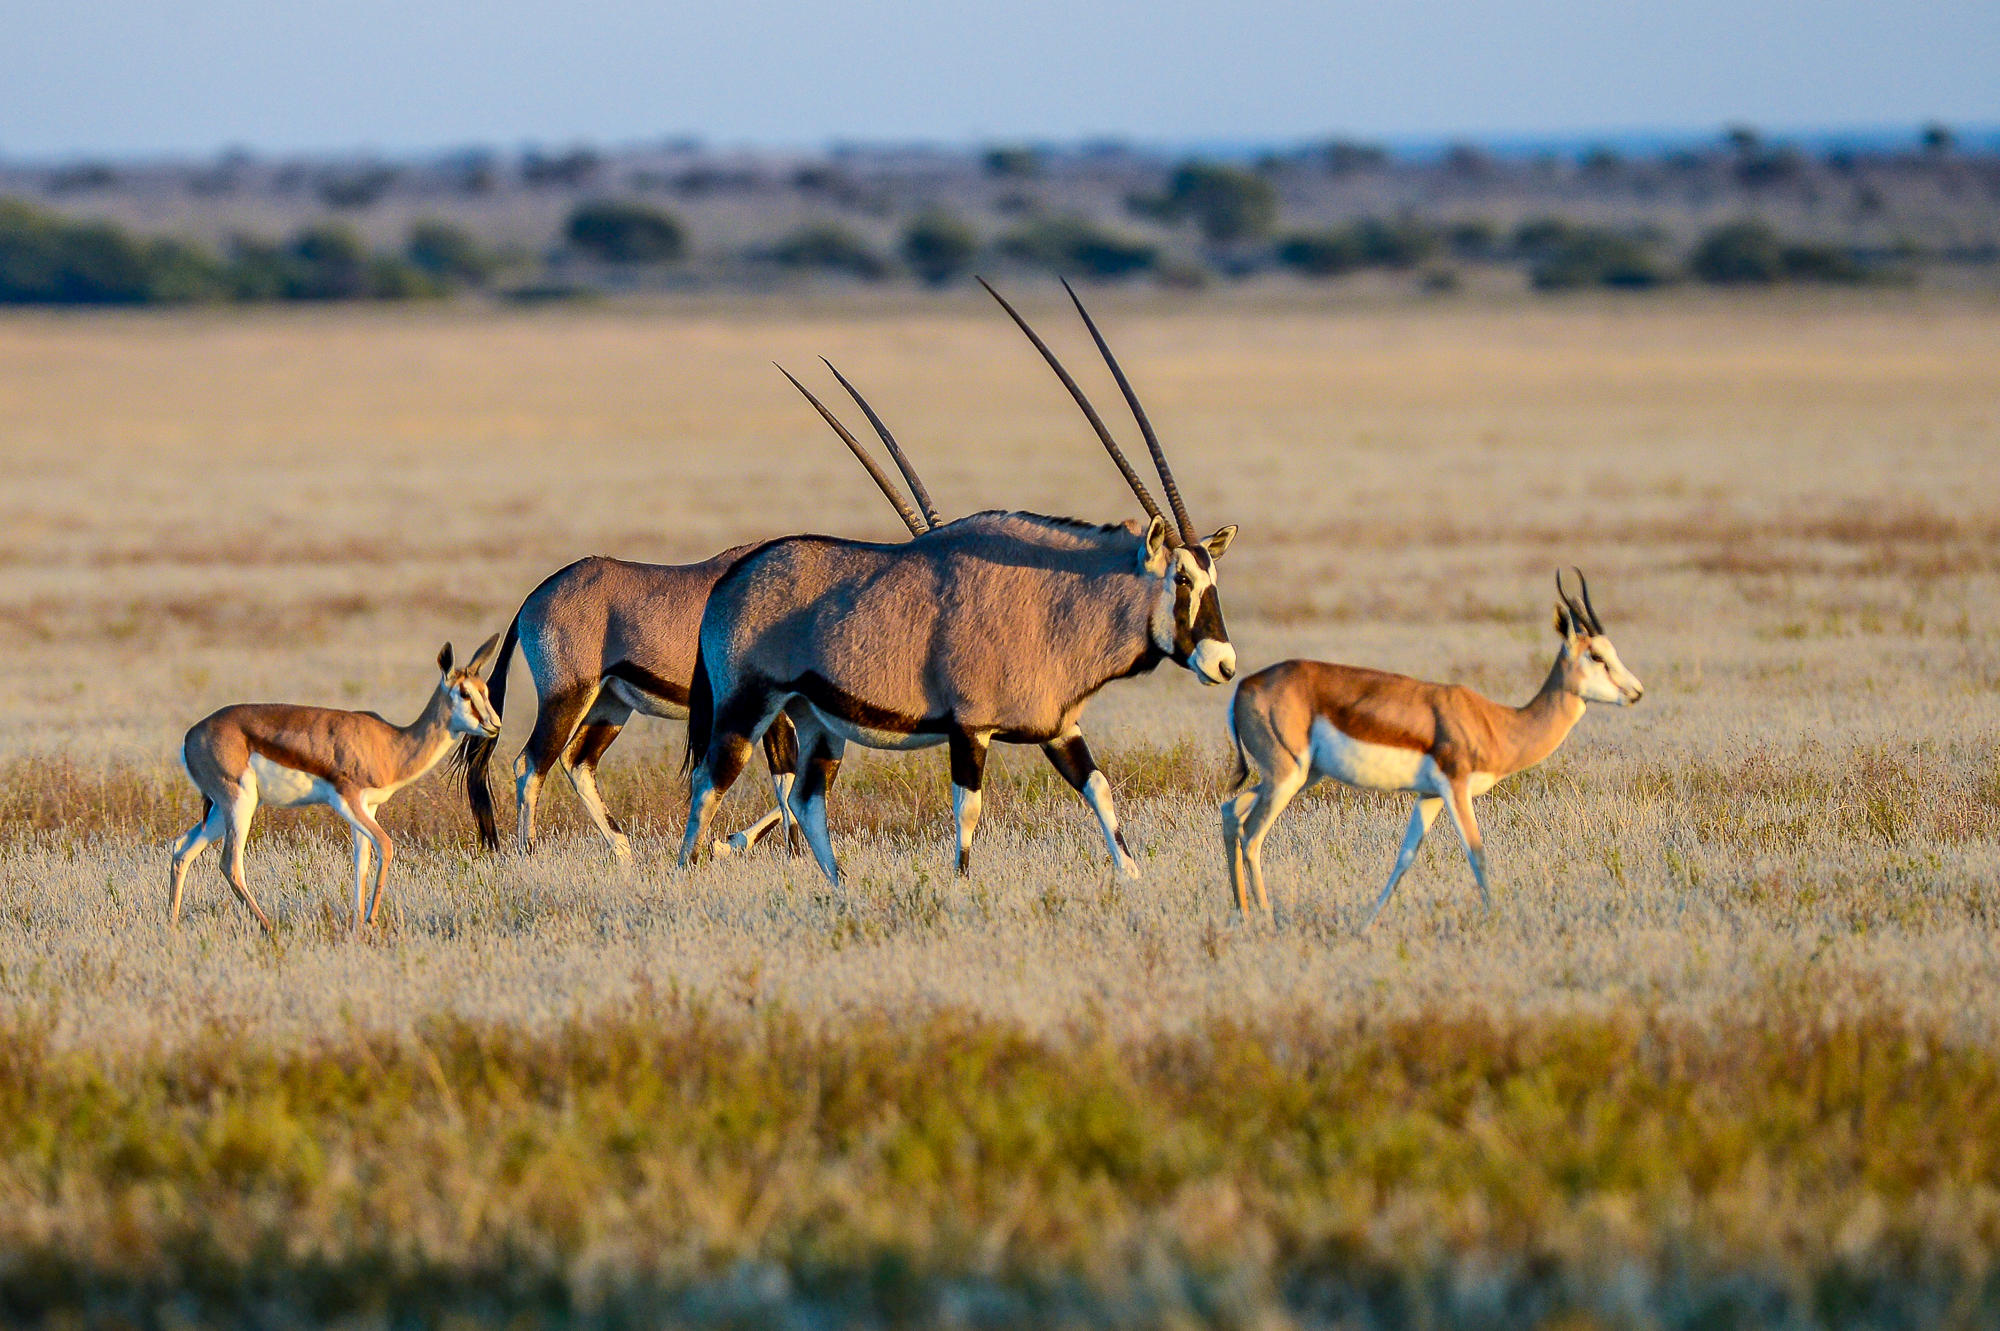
[781, 755]
[1422, 814]
[555, 727]
[736, 728]
[601, 726]
[820, 755]
[241, 811]
[1458, 801]
[208, 829]
[1070, 756]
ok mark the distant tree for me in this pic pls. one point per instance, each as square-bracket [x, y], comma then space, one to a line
[939, 245]
[1743, 140]
[1226, 202]
[448, 253]
[1012, 162]
[565, 170]
[1587, 256]
[46, 259]
[1742, 253]
[1938, 138]
[1601, 161]
[1468, 161]
[1402, 242]
[828, 247]
[1344, 157]
[331, 264]
[1473, 238]
[615, 231]
[361, 187]
[1069, 244]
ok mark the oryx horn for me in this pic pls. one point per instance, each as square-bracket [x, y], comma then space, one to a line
[1089, 412]
[1188, 536]
[923, 496]
[875, 472]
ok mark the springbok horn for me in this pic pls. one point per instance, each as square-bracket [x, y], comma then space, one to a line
[1188, 536]
[895, 450]
[888, 488]
[1089, 412]
[1576, 615]
[1596, 624]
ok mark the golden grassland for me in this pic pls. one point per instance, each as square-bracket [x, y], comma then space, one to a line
[1724, 1052]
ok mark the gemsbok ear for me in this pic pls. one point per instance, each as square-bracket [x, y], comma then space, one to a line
[1156, 545]
[1220, 541]
[484, 656]
[444, 659]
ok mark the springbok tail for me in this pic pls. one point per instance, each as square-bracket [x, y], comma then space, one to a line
[1240, 779]
[475, 752]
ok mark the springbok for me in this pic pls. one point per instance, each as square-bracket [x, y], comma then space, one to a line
[1298, 722]
[604, 638]
[998, 626]
[288, 756]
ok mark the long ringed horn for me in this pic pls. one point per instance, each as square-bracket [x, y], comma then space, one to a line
[895, 450]
[1596, 624]
[875, 472]
[1188, 536]
[1089, 412]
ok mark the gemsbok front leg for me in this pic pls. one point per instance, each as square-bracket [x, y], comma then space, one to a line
[1070, 755]
[968, 778]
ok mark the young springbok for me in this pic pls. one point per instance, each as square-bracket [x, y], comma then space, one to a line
[1300, 721]
[289, 756]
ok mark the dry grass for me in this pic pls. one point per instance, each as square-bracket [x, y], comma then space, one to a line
[1723, 1052]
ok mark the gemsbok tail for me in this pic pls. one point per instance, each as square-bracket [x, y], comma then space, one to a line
[475, 752]
[701, 711]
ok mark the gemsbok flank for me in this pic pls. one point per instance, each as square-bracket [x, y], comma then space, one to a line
[604, 638]
[1298, 722]
[289, 756]
[997, 626]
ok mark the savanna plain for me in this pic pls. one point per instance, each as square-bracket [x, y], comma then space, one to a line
[1726, 1050]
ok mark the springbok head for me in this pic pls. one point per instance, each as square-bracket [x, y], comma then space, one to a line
[471, 709]
[1187, 622]
[1590, 665]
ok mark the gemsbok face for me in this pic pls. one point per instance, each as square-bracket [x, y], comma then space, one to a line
[1187, 611]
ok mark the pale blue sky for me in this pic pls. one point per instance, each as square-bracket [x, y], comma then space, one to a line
[126, 76]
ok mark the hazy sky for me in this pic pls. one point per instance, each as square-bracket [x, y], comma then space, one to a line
[118, 76]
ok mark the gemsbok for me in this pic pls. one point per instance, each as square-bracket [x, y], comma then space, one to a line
[998, 626]
[289, 756]
[604, 638]
[1299, 722]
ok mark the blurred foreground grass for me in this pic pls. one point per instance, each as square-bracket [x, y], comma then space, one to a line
[661, 1165]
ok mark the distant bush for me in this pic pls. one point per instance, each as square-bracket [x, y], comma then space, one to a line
[938, 245]
[449, 253]
[1321, 253]
[46, 259]
[1074, 245]
[1344, 157]
[1473, 238]
[572, 169]
[1562, 254]
[828, 247]
[1371, 242]
[615, 231]
[1226, 202]
[1751, 253]
[358, 188]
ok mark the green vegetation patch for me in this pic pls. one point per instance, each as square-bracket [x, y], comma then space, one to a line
[665, 1167]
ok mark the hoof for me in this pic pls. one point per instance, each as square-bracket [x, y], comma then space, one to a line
[723, 849]
[738, 842]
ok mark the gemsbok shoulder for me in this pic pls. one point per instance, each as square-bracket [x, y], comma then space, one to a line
[1299, 722]
[289, 756]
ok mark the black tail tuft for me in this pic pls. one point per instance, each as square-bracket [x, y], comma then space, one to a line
[701, 712]
[476, 751]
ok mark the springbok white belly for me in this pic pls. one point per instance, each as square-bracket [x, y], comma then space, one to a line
[1369, 766]
[284, 787]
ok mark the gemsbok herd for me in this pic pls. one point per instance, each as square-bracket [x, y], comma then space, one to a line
[994, 627]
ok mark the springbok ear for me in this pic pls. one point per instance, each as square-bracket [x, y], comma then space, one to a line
[444, 659]
[1565, 627]
[1220, 541]
[1155, 559]
[484, 656]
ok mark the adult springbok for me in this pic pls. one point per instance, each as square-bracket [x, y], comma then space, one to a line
[998, 626]
[288, 756]
[1301, 721]
[604, 638]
